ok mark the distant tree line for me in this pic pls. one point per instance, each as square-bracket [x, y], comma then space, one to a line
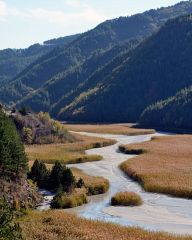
[173, 113]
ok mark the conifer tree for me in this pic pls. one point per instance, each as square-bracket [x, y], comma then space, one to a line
[68, 181]
[56, 175]
[39, 174]
[13, 160]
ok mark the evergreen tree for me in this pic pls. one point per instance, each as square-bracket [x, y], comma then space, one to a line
[68, 181]
[56, 175]
[39, 174]
[13, 160]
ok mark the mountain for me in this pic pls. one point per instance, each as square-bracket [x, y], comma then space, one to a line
[49, 96]
[155, 70]
[13, 61]
[174, 112]
[57, 65]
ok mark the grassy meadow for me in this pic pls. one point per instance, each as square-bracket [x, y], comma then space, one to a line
[124, 129]
[126, 199]
[59, 225]
[68, 152]
[165, 167]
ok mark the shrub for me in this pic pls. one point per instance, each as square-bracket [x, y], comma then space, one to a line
[99, 188]
[64, 200]
[126, 199]
[129, 150]
[80, 183]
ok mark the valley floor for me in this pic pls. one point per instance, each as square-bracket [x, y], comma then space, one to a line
[159, 212]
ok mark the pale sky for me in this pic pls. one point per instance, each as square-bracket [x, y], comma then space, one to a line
[24, 22]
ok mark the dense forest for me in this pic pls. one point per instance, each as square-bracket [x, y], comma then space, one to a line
[174, 112]
[14, 61]
[55, 65]
[50, 96]
[155, 70]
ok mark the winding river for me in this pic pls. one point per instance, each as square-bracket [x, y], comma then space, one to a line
[159, 212]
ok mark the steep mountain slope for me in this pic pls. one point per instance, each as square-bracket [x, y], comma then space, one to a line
[101, 38]
[13, 61]
[49, 96]
[174, 112]
[155, 70]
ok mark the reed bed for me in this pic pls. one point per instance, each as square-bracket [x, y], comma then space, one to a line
[58, 225]
[69, 152]
[124, 129]
[165, 167]
[126, 199]
[65, 200]
[94, 185]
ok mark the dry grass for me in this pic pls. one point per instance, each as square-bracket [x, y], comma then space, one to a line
[94, 185]
[125, 129]
[126, 199]
[75, 199]
[67, 153]
[165, 167]
[59, 225]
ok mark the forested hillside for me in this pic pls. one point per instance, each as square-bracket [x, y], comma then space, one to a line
[59, 62]
[174, 112]
[51, 96]
[156, 69]
[13, 61]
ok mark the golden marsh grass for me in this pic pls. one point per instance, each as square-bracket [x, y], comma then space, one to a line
[58, 225]
[94, 185]
[68, 152]
[126, 199]
[125, 129]
[165, 167]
